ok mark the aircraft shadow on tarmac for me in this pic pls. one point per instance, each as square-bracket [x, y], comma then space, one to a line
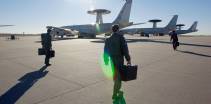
[60, 39]
[24, 84]
[73, 38]
[155, 41]
[193, 53]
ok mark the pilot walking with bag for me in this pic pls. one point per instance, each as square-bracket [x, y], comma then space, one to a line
[174, 37]
[116, 48]
[47, 45]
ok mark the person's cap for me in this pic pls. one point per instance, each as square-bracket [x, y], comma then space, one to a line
[49, 30]
[115, 28]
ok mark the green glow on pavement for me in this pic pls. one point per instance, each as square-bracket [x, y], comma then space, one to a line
[107, 66]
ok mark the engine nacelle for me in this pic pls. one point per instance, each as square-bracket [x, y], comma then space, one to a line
[57, 32]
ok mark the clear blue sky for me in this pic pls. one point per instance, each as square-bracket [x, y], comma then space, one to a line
[32, 16]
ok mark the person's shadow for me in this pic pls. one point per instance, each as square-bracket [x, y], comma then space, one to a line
[193, 53]
[25, 83]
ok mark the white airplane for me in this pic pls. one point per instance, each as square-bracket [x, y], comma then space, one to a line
[91, 30]
[193, 28]
[146, 31]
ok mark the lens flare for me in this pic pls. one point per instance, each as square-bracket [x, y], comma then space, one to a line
[92, 7]
[98, 27]
[92, 4]
[107, 66]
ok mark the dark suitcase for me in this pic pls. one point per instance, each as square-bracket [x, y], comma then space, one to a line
[177, 44]
[128, 73]
[52, 53]
[41, 51]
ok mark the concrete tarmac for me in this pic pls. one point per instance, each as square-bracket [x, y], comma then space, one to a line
[165, 76]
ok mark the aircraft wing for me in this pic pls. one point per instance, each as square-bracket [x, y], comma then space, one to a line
[130, 31]
[133, 24]
[62, 31]
[58, 28]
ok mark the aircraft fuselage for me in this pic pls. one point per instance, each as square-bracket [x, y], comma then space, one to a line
[91, 28]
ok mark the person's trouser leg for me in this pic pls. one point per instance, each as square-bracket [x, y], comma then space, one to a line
[118, 63]
[117, 85]
[174, 45]
[47, 56]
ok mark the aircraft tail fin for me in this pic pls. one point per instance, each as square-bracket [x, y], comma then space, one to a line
[124, 15]
[172, 24]
[194, 26]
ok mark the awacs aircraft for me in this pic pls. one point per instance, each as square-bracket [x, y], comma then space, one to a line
[190, 30]
[91, 30]
[146, 31]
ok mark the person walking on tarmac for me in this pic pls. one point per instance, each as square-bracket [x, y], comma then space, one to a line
[46, 42]
[174, 37]
[116, 47]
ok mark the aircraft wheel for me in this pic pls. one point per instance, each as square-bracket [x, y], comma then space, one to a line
[93, 36]
[79, 36]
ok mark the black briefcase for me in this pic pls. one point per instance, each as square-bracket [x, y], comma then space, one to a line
[52, 53]
[41, 51]
[177, 43]
[128, 73]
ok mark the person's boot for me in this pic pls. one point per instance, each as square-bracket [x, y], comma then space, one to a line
[121, 98]
[47, 64]
[115, 101]
[115, 98]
